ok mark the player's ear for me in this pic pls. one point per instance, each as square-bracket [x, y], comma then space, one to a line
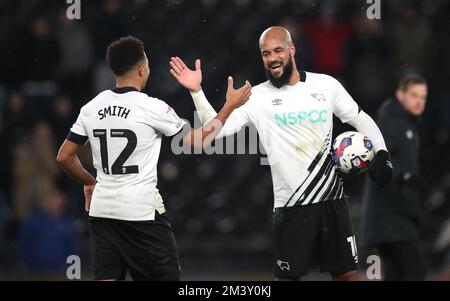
[292, 50]
[141, 70]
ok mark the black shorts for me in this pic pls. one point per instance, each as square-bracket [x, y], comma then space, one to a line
[146, 248]
[317, 233]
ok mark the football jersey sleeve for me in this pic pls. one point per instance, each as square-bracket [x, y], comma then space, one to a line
[344, 107]
[164, 119]
[237, 120]
[77, 133]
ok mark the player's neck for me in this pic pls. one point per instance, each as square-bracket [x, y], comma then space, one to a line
[123, 83]
[295, 78]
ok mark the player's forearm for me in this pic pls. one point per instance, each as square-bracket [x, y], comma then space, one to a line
[207, 113]
[365, 124]
[203, 136]
[73, 167]
[204, 109]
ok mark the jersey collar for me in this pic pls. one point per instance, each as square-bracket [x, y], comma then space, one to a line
[124, 90]
[302, 76]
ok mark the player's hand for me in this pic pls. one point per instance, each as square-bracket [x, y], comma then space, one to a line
[88, 190]
[190, 79]
[236, 98]
[380, 169]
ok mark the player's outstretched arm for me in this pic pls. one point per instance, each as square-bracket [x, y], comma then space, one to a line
[192, 80]
[68, 160]
[234, 99]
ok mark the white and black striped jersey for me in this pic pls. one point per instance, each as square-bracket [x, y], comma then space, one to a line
[295, 125]
[124, 128]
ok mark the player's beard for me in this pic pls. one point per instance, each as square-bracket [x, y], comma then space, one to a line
[279, 82]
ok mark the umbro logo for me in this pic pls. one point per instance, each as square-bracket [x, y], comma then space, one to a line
[318, 97]
[277, 102]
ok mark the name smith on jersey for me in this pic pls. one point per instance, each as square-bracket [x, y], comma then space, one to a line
[118, 111]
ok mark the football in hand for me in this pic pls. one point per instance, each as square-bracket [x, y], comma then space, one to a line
[352, 152]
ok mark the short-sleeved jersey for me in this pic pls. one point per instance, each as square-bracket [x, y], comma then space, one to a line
[124, 128]
[295, 125]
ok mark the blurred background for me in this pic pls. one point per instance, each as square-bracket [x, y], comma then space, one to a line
[220, 205]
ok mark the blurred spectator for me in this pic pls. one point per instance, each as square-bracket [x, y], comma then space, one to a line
[411, 38]
[328, 39]
[437, 230]
[392, 216]
[47, 237]
[103, 78]
[108, 24]
[16, 116]
[14, 120]
[75, 43]
[367, 58]
[303, 47]
[43, 53]
[5, 219]
[77, 56]
[62, 118]
[34, 169]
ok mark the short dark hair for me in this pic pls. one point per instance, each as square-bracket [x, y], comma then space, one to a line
[411, 79]
[124, 54]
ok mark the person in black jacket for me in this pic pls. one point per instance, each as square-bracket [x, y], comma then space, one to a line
[391, 215]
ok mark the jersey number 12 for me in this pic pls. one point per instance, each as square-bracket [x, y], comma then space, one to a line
[117, 168]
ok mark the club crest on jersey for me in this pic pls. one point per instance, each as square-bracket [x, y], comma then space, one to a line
[277, 101]
[284, 265]
[318, 96]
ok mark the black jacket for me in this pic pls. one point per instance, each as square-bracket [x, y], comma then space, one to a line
[393, 214]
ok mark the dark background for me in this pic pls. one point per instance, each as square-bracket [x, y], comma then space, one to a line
[220, 205]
